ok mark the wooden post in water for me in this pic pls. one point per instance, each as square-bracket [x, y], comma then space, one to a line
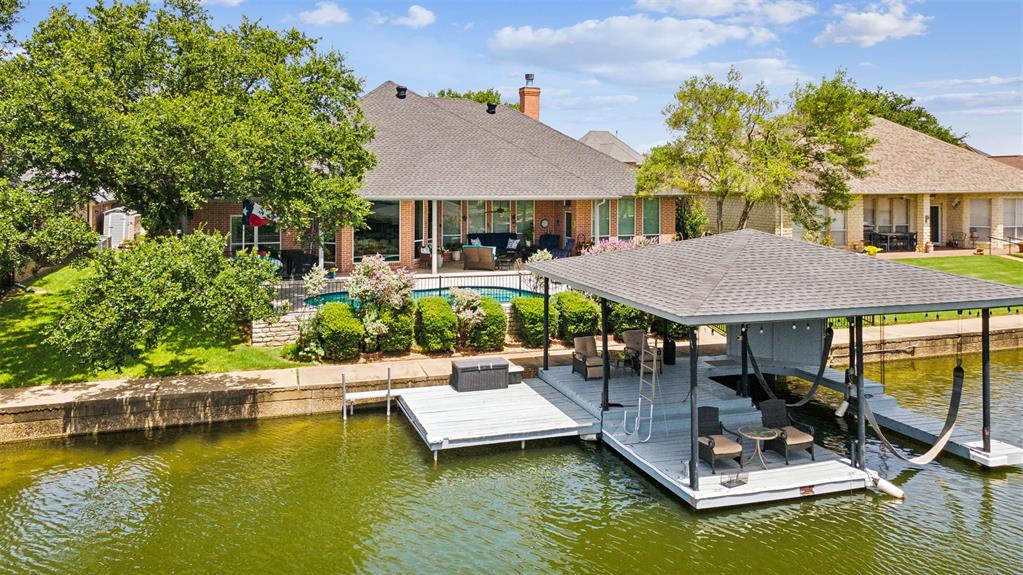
[861, 400]
[694, 430]
[985, 359]
[546, 322]
[605, 355]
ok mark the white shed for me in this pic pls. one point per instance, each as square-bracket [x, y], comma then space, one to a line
[120, 225]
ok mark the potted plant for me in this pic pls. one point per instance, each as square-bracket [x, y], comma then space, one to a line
[331, 272]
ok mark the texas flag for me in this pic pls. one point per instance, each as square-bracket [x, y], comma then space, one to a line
[253, 214]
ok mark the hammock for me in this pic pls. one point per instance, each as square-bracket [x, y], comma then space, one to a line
[829, 335]
[958, 374]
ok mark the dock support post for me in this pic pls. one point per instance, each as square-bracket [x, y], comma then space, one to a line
[694, 430]
[744, 382]
[388, 392]
[606, 357]
[861, 400]
[344, 397]
[985, 358]
[546, 322]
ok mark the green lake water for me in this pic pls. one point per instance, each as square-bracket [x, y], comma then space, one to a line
[307, 495]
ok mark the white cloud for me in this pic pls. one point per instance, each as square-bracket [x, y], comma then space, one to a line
[324, 14]
[977, 98]
[589, 103]
[761, 36]
[1015, 111]
[418, 17]
[771, 71]
[885, 21]
[775, 12]
[231, 3]
[618, 40]
[956, 82]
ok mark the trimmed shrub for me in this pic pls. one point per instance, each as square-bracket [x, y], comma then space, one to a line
[577, 315]
[489, 334]
[529, 315]
[436, 325]
[401, 329]
[623, 318]
[338, 331]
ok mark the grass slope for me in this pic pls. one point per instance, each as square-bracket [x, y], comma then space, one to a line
[26, 360]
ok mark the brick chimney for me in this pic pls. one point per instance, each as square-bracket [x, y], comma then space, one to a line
[529, 99]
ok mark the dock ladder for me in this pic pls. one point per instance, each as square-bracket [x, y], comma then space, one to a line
[648, 359]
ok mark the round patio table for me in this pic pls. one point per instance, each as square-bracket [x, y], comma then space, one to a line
[758, 434]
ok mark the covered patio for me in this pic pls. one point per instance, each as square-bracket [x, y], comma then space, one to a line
[776, 296]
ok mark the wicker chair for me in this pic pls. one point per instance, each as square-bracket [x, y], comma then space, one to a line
[633, 340]
[586, 361]
[774, 414]
[713, 444]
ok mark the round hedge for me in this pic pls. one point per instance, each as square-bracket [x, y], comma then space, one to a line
[339, 331]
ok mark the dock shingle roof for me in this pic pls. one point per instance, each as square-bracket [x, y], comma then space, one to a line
[750, 276]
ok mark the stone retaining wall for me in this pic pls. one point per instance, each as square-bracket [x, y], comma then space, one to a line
[284, 331]
[931, 346]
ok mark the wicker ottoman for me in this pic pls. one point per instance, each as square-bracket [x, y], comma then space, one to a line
[479, 374]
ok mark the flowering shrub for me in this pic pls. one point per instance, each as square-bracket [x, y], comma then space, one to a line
[619, 245]
[535, 281]
[872, 250]
[466, 305]
[315, 281]
[374, 286]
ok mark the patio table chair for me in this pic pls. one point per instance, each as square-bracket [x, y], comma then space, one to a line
[586, 361]
[713, 443]
[775, 415]
[634, 340]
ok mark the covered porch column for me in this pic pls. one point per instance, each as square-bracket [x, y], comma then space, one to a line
[922, 221]
[694, 428]
[861, 400]
[434, 247]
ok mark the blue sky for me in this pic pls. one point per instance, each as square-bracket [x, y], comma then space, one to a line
[614, 64]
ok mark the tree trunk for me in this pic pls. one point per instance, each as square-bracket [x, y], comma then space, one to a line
[721, 214]
[744, 217]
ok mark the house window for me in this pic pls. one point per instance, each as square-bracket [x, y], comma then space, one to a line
[868, 213]
[883, 214]
[601, 220]
[451, 224]
[524, 219]
[500, 217]
[1012, 212]
[900, 214]
[477, 217]
[328, 246]
[836, 227]
[626, 218]
[418, 225]
[651, 217]
[381, 234]
[265, 239]
[980, 220]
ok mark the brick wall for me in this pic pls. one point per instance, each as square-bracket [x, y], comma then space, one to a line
[668, 215]
[763, 217]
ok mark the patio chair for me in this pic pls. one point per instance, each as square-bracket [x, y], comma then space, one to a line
[634, 340]
[586, 361]
[957, 240]
[549, 242]
[566, 251]
[713, 443]
[774, 414]
[479, 258]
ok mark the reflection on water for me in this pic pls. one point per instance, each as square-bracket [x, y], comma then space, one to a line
[317, 494]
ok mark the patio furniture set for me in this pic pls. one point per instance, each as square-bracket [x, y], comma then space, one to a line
[778, 432]
[890, 241]
[500, 251]
[586, 360]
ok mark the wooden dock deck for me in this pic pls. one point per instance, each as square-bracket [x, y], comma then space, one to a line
[447, 419]
[965, 443]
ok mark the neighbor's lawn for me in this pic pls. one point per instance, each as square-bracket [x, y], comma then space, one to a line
[991, 268]
[26, 360]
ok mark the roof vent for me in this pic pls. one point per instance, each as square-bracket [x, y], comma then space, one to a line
[529, 79]
[491, 108]
[401, 92]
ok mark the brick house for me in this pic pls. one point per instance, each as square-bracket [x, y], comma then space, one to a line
[447, 168]
[921, 190]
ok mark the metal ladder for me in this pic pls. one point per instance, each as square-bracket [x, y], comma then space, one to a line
[647, 392]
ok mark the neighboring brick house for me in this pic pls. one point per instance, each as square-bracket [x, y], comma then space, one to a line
[450, 167]
[921, 190]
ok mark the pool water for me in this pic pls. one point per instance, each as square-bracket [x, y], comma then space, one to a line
[501, 294]
[316, 494]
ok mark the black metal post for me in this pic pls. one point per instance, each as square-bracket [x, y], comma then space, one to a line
[852, 344]
[694, 430]
[744, 382]
[546, 323]
[861, 400]
[607, 357]
[985, 358]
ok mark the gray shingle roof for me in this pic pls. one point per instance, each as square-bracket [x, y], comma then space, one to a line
[438, 148]
[611, 145]
[750, 276]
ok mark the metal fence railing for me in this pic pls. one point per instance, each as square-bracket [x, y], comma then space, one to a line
[502, 285]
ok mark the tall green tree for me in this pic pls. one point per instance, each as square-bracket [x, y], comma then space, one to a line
[732, 142]
[167, 112]
[487, 96]
[8, 16]
[905, 111]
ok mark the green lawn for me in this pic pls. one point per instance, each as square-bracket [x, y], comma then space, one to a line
[26, 360]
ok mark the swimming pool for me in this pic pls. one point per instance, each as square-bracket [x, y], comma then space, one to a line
[501, 294]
